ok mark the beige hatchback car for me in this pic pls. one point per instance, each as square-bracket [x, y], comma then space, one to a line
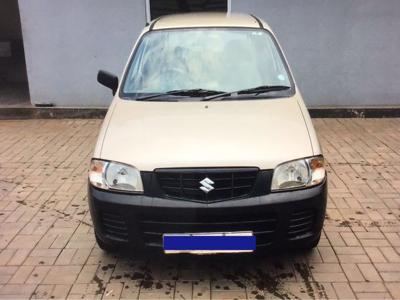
[207, 146]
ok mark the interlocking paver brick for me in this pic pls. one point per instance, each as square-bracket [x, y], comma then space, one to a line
[24, 242]
[131, 290]
[43, 291]
[369, 272]
[375, 255]
[19, 257]
[352, 272]
[113, 290]
[22, 274]
[335, 239]
[390, 254]
[349, 250]
[201, 289]
[373, 296]
[228, 295]
[157, 289]
[62, 275]
[353, 258]
[350, 239]
[394, 290]
[17, 290]
[368, 287]
[327, 254]
[343, 290]
[330, 277]
[390, 276]
[48, 251]
[38, 274]
[183, 289]
[325, 268]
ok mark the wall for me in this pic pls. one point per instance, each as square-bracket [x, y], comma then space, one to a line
[342, 52]
[66, 42]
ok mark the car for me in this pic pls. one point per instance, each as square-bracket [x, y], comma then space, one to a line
[207, 146]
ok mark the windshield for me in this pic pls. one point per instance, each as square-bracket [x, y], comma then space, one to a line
[216, 59]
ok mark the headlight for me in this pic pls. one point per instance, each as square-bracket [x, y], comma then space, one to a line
[115, 176]
[298, 173]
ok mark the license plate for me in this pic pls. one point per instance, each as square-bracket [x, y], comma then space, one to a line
[209, 243]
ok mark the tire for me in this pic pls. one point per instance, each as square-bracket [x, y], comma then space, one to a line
[105, 246]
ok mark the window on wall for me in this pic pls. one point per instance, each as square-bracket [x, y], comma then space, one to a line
[159, 8]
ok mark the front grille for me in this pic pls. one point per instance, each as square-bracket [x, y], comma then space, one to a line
[262, 225]
[228, 183]
[114, 225]
[301, 223]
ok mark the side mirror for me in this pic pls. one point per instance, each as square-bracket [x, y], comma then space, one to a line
[109, 80]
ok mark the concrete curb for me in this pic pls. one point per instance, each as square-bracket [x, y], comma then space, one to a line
[18, 113]
[356, 112]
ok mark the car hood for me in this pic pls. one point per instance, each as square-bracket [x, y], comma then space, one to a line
[251, 133]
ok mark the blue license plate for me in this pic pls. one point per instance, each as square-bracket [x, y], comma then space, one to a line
[209, 243]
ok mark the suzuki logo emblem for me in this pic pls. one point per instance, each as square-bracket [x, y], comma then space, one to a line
[206, 185]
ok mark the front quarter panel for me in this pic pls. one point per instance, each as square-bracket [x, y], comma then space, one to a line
[103, 130]
[310, 127]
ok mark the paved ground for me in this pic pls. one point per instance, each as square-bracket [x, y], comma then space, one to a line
[48, 249]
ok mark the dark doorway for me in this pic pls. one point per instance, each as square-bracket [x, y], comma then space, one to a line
[13, 77]
[166, 7]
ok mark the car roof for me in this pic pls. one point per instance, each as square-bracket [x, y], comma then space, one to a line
[193, 20]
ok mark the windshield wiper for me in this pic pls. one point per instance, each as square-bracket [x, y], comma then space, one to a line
[183, 92]
[256, 90]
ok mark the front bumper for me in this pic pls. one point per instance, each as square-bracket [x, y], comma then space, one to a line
[283, 219]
